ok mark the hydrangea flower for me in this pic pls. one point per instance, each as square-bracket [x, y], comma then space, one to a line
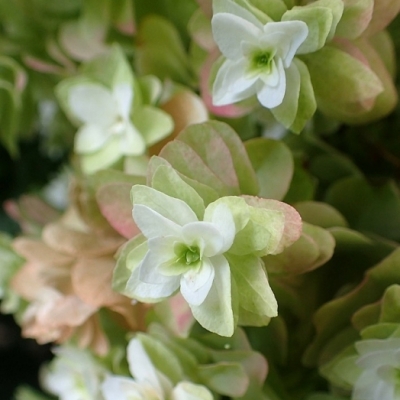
[257, 58]
[104, 115]
[73, 374]
[213, 258]
[379, 360]
[149, 383]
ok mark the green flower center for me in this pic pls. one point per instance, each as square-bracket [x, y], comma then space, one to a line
[192, 255]
[262, 60]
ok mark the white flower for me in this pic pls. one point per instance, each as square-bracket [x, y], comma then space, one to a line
[379, 361]
[149, 383]
[183, 253]
[257, 57]
[105, 118]
[73, 375]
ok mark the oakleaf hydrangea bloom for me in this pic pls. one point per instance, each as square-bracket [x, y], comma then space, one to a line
[257, 57]
[149, 383]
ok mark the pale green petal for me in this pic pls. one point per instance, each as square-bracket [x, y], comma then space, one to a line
[215, 313]
[230, 31]
[236, 205]
[92, 103]
[153, 124]
[196, 284]
[222, 218]
[169, 207]
[152, 224]
[190, 391]
[255, 294]
[90, 138]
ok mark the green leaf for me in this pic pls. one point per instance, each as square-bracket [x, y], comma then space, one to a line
[273, 163]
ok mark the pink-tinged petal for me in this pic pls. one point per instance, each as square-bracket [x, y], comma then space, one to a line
[231, 111]
[123, 96]
[90, 138]
[152, 224]
[91, 280]
[271, 89]
[287, 36]
[115, 205]
[230, 31]
[293, 223]
[196, 283]
[384, 12]
[92, 104]
[205, 235]
[233, 83]
[222, 219]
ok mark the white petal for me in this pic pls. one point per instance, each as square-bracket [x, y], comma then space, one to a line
[161, 250]
[120, 388]
[123, 95]
[140, 365]
[90, 138]
[132, 142]
[92, 104]
[152, 224]
[190, 391]
[215, 313]
[150, 293]
[271, 96]
[287, 36]
[230, 31]
[233, 83]
[222, 219]
[205, 235]
[196, 284]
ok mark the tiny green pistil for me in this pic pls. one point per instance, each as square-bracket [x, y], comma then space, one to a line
[192, 256]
